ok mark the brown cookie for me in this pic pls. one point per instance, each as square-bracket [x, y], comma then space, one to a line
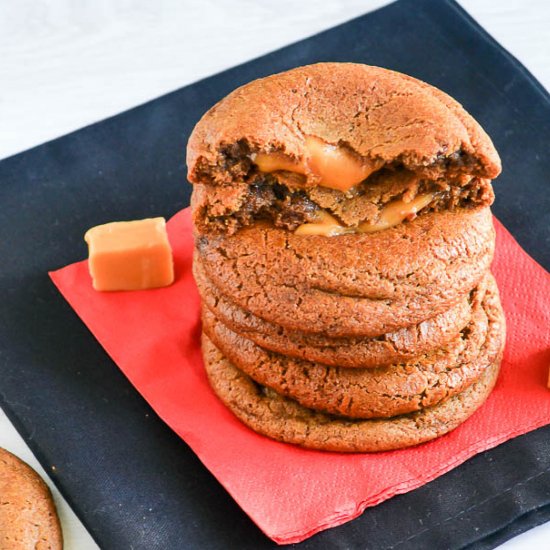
[374, 392]
[283, 419]
[394, 347]
[28, 518]
[379, 114]
[386, 197]
[352, 285]
[341, 139]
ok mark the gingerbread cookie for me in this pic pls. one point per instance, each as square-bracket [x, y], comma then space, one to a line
[262, 151]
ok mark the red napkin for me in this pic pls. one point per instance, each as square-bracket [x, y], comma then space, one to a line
[289, 492]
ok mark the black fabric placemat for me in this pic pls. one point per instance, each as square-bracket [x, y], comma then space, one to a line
[129, 478]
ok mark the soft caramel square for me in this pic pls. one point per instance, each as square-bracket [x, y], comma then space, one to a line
[132, 255]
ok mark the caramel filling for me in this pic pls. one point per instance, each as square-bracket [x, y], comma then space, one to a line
[275, 162]
[392, 214]
[327, 225]
[397, 211]
[327, 165]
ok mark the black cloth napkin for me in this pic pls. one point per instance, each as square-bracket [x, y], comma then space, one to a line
[129, 478]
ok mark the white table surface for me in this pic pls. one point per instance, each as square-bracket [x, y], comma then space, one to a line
[66, 64]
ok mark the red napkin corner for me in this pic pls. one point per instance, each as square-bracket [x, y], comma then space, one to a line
[289, 492]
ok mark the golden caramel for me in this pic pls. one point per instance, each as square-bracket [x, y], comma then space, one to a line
[133, 255]
[395, 212]
[274, 162]
[336, 167]
[327, 225]
[392, 214]
[328, 165]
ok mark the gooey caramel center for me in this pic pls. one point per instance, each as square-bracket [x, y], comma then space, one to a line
[326, 164]
[397, 211]
[392, 214]
[326, 225]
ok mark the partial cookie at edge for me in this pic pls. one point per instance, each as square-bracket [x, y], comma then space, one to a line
[28, 518]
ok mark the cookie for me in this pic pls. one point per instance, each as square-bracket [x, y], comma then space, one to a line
[392, 112]
[343, 240]
[283, 419]
[28, 518]
[264, 148]
[386, 198]
[364, 285]
[394, 347]
[374, 392]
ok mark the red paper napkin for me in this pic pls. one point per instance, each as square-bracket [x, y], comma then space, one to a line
[289, 492]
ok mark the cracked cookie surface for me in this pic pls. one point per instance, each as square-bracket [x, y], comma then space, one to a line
[375, 392]
[283, 419]
[379, 113]
[353, 285]
[394, 347]
[415, 137]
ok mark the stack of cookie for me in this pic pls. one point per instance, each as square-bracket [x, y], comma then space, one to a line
[343, 243]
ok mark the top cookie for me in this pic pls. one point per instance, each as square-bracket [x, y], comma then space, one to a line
[342, 144]
[379, 114]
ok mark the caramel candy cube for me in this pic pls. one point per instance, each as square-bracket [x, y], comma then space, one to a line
[133, 255]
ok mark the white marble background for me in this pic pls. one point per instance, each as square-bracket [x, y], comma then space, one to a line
[68, 63]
